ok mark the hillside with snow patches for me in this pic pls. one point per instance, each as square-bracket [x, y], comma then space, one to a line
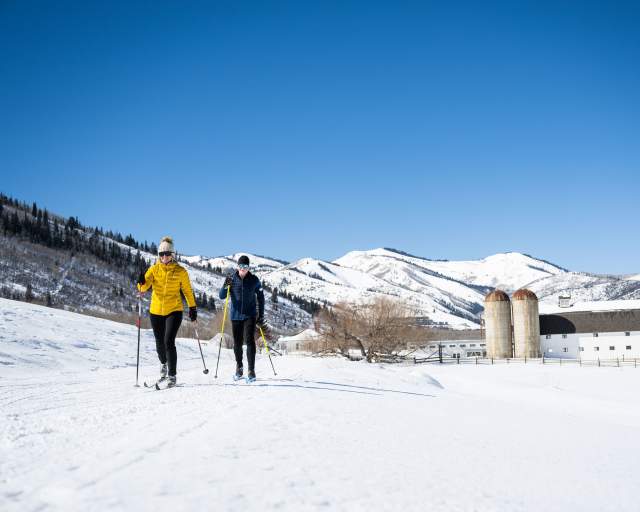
[324, 434]
[99, 277]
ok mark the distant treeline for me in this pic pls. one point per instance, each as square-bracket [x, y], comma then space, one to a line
[39, 227]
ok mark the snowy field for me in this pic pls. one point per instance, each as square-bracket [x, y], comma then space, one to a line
[325, 434]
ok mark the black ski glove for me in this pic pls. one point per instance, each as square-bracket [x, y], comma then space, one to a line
[261, 323]
[228, 281]
[193, 314]
[141, 279]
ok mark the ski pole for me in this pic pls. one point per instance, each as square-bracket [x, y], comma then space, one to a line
[224, 321]
[267, 348]
[138, 324]
[205, 371]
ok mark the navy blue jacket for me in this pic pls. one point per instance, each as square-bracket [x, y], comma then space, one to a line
[243, 296]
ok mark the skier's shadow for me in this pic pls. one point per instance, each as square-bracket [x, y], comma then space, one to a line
[321, 385]
[261, 384]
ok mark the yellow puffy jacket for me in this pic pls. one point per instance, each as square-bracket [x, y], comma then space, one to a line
[167, 281]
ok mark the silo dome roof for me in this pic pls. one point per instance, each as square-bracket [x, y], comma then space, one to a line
[497, 296]
[524, 294]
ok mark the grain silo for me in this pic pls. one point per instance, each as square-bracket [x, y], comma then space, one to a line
[526, 324]
[497, 321]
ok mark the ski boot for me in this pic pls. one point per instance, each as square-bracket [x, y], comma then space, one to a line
[171, 381]
[239, 372]
[251, 376]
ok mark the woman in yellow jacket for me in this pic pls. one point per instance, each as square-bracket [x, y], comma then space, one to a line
[168, 280]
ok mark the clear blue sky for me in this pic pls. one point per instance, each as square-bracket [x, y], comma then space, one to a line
[297, 129]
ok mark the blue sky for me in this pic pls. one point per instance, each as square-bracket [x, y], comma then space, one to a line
[297, 129]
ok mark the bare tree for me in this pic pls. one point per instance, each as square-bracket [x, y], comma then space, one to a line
[381, 327]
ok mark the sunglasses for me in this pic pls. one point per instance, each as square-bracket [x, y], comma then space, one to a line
[243, 266]
[165, 253]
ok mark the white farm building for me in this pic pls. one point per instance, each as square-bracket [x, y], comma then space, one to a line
[301, 342]
[591, 330]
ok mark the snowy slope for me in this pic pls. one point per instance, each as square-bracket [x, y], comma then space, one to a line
[584, 287]
[507, 271]
[229, 263]
[325, 434]
[449, 293]
[427, 295]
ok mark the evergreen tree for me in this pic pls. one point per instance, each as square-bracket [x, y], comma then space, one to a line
[28, 294]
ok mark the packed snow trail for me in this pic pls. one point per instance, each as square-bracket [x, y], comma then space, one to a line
[325, 434]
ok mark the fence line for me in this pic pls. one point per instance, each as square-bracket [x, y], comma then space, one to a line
[540, 360]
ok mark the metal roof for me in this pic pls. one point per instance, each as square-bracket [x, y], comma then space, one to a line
[497, 296]
[590, 321]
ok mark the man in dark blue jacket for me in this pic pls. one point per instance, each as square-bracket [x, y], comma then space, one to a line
[244, 288]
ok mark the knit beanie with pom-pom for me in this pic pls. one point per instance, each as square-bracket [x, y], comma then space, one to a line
[166, 245]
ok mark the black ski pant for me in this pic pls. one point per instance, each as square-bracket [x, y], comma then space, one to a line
[243, 332]
[165, 329]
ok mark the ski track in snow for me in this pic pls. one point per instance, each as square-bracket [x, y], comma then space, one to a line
[324, 434]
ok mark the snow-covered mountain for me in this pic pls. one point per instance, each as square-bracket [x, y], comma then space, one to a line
[507, 271]
[225, 264]
[582, 286]
[445, 293]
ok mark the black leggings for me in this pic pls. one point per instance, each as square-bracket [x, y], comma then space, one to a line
[165, 329]
[243, 331]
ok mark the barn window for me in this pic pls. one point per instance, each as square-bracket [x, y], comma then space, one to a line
[595, 334]
[628, 347]
[581, 349]
[564, 336]
[565, 349]
[627, 333]
[611, 347]
[548, 336]
[596, 349]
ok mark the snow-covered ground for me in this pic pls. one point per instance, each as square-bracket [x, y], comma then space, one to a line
[325, 434]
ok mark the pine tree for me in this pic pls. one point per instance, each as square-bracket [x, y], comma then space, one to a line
[274, 296]
[28, 294]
